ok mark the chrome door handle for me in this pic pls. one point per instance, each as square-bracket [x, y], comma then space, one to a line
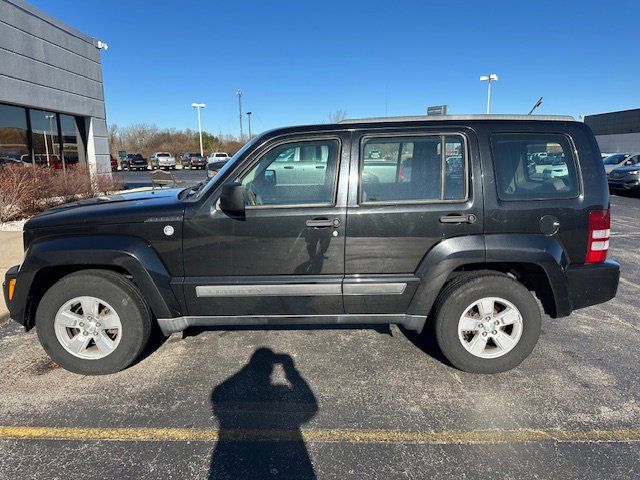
[470, 218]
[322, 223]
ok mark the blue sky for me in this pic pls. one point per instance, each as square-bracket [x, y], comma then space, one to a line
[298, 61]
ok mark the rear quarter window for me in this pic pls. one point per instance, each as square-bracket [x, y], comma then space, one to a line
[534, 166]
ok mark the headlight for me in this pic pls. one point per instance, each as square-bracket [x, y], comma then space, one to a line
[633, 172]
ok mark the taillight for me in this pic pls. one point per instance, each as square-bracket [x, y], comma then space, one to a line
[599, 233]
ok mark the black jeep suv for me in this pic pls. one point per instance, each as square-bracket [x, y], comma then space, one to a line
[444, 225]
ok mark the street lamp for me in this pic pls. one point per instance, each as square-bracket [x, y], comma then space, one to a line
[249, 121]
[239, 94]
[492, 77]
[198, 106]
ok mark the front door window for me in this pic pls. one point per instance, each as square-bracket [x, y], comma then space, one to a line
[301, 173]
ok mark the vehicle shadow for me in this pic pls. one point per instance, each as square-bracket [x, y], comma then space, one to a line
[625, 193]
[426, 341]
[260, 421]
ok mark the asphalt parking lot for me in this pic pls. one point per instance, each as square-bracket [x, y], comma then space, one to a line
[333, 403]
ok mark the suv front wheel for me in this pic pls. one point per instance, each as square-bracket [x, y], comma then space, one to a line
[486, 323]
[93, 322]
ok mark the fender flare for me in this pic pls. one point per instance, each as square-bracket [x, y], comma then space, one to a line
[437, 265]
[453, 253]
[130, 254]
[541, 250]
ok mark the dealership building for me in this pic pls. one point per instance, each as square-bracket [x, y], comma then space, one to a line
[52, 108]
[616, 131]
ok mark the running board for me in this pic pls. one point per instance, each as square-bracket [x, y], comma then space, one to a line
[178, 324]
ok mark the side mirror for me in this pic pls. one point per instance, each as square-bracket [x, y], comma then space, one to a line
[628, 163]
[232, 199]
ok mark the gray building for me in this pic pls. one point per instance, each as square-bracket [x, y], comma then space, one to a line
[51, 97]
[616, 131]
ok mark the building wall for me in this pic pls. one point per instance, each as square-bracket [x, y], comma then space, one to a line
[47, 64]
[623, 142]
[616, 131]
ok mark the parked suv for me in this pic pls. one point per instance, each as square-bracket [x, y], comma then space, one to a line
[626, 177]
[163, 160]
[302, 227]
[193, 160]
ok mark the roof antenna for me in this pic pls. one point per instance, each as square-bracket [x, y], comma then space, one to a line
[538, 103]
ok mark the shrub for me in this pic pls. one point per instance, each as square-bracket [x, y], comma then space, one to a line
[25, 191]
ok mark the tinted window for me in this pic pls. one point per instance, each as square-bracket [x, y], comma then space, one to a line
[44, 135]
[534, 166]
[416, 168]
[615, 159]
[13, 133]
[72, 143]
[294, 174]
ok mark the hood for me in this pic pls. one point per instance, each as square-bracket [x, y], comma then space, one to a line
[132, 207]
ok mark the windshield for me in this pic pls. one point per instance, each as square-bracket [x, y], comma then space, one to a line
[615, 159]
[221, 155]
[222, 173]
[163, 155]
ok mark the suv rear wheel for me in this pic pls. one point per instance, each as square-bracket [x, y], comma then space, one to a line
[486, 323]
[93, 322]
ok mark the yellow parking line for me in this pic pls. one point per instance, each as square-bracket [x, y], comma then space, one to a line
[314, 435]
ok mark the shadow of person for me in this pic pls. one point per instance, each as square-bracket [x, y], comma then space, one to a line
[317, 241]
[260, 421]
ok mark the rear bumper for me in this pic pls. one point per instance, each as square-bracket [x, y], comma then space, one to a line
[592, 284]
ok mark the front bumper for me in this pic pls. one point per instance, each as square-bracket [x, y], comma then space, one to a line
[624, 183]
[12, 303]
[593, 283]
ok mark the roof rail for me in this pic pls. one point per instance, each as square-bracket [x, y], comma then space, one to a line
[429, 118]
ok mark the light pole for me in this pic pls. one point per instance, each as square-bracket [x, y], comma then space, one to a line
[239, 94]
[249, 122]
[492, 77]
[198, 106]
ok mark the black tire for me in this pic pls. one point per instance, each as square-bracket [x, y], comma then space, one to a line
[462, 292]
[125, 299]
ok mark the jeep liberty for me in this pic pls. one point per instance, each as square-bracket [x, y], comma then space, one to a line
[452, 226]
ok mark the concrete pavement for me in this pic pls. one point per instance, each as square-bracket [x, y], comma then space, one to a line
[11, 254]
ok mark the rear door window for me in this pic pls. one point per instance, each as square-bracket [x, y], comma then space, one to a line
[534, 166]
[414, 169]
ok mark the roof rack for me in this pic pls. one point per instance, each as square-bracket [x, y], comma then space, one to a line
[422, 118]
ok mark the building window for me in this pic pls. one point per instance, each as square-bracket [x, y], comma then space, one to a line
[72, 140]
[44, 138]
[13, 133]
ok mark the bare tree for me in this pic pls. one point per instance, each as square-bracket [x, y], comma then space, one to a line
[337, 116]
